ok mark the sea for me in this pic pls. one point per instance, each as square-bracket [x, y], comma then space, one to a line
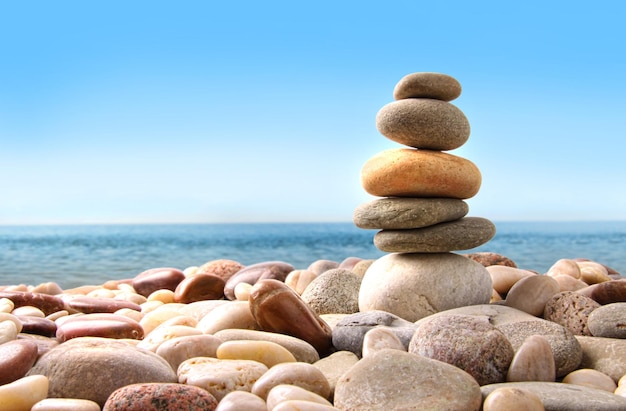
[74, 255]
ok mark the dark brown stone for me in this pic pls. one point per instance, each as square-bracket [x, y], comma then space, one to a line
[99, 325]
[16, 358]
[279, 309]
[275, 270]
[609, 292]
[90, 305]
[39, 326]
[160, 397]
[47, 303]
[199, 287]
[155, 279]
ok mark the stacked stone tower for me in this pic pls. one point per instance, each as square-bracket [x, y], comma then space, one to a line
[421, 215]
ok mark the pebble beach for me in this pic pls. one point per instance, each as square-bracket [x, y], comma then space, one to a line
[428, 325]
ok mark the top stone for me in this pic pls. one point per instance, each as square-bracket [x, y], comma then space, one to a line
[427, 85]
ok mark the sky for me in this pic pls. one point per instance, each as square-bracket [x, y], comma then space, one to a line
[248, 111]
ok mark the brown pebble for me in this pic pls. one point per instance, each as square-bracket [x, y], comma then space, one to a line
[160, 397]
[609, 292]
[155, 279]
[16, 358]
[427, 85]
[90, 305]
[488, 258]
[199, 287]
[99, 325]
[530, 294]
[276, 270]
[39, 326]
[533, 361]
[512, 399]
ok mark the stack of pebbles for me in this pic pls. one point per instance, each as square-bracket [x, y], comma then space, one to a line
[422, 216]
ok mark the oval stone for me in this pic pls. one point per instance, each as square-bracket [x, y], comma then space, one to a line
[437, 86]
[233, 314]
[23, 394]
[530, 294]
[607, 355]
[335, 291]
[565, 266]
[608, 321]
[198, 288]
[424, 123]
[241, 400]
[320, 266]
[504, 277]
[265, 352]
[160, 397]
[380, 338]
[509, 398]
[298, 280]
[468, 342]
[65, 404]
[155, 279]
[180, 349]
[300, 349]
[300, 374]
[407, 172]
[99, 325]
[533, 361]
[404, 381]
[38, 326]
[47, 303]
[571, 310]
[609, 292]
[411, 286]
[590, 378]
[275, 270]
[16, 358]
[90, 305]
[288, 392]
[277, 308]
[405, 213]
[222, 268]
[462, 234]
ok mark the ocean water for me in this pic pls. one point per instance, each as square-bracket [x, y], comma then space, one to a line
[76, 255]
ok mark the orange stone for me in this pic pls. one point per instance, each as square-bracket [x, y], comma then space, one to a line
[407, 172]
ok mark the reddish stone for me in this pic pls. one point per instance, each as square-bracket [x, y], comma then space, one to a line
[16, 358]
[275, 270]
[609, 292]
[199, 287]
[279, 309]
[155, 279]
[99, 325]
[221, 268]
[90, 305]
[160, 397]
[488, 259]
[39, 326]
[47, 303]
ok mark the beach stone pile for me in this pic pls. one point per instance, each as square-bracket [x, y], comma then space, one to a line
[421, 215]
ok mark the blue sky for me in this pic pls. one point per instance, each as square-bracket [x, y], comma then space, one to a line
[190, 111]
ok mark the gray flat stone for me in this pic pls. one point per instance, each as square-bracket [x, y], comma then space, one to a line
[406, 213]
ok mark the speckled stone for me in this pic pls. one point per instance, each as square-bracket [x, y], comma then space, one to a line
[413, 286]
[160, 397]
[407, 172]
[468, 342]
[335, 291]
[405, 213]
[71, 368]
[222, 268]
[487, 258]
[461, 234]
[397, 380]
[565, 397]
[571, 310]
[607, 355]
[427, 85]
[608, 321]
[424, 123]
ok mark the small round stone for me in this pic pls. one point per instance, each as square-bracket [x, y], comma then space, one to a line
[424, 123]
[588, 377]
[407, 172]
[608, 321]
[512, 399]
[427, 85]
[405, 213]
[462, 234]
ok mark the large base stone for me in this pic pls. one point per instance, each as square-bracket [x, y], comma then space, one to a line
[413, 286]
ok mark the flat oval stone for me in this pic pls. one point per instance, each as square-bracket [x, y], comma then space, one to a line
[609, 292]
[300, 374]
[533, 361]
[288, 392]
[405, 213]
[424, 123]
[427, 85]
[90, 305]
[234, 314]
[65, 404]
[8, 331]
[154, 279]
[565, 266]
[571, 310]
[590, 378]
[277, 308]
[275, 270]
[411, 287]
[608, 321]
[47, 303]
[468, 342]
[504, 277]
[241, 400]
[335, 291]
[607, 355]
[180, 349]
[463, 234]
[28, 311]
[199, 287]
[99, 325]
[23, 394]
[406, 172]
[92, 368]
[507, 398]
[16, 358]
[298, 280]
[160, 397]
[564, 397]
[163, 333]
[530, 294]
[265, 352]
[378, 339]
[404, 381]
[38, 326]
[300, 349]
[592, 272]
[220, 377]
